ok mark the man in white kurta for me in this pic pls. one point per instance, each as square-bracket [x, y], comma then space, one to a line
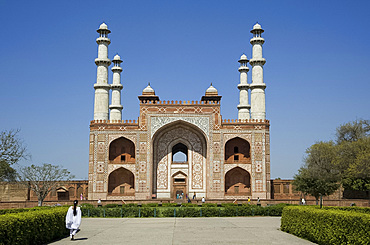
[73, 221]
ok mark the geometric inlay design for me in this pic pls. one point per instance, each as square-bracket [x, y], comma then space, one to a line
[200, 122]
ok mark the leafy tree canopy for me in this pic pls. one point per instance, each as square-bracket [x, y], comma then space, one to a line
[353, 131]
[318, 175]
[347, 162]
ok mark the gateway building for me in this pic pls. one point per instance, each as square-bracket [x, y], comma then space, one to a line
[222, 159]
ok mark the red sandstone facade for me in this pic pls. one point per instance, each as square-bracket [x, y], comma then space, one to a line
[225, 159]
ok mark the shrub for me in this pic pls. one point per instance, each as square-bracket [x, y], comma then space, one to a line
[150, 205]
[130, 212]
[130, 205]
[210, 211]
[21, 210]
[351, 209]
[111, 205]
[37, 227]
[209, 204]
[167, 212]
[326, 226]
[169, 204]
[189, 205]
[229, 204]
[87, 205]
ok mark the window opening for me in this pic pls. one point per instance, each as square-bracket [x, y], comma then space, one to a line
[179, 180]
[123, 158]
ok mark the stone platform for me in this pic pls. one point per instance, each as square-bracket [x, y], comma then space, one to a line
[227, 230]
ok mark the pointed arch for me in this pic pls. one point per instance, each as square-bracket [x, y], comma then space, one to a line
[237, 150]
[179, 153]
[122, 150]
[121, 182]
[175, 137]
[237, 182]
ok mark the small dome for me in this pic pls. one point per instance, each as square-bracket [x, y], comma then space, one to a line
[211, 90]
[243, 57]
[117, 57]
[103, 26]
[257, 27]
[148, 89]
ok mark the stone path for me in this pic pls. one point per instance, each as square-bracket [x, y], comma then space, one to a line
[226, 230]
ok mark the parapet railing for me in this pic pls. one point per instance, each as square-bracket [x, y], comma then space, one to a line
[132, 122]
[171, 102]
[233, 121]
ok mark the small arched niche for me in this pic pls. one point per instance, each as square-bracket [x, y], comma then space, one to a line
[179, 153]
[121, 182]
[122, 150]
[237, 182]
[237, 150]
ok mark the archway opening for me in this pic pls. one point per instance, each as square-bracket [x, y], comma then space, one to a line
[237, 150]
[122, 150]
[179, 185]
[169, 143]
[121, 182]
[237, 182]
[179, 153]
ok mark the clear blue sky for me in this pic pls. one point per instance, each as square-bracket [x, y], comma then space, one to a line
[317, 70]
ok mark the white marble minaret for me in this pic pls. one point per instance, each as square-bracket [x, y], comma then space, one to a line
[258, 107]
[116, 107]
[101, 86]
[243, 86]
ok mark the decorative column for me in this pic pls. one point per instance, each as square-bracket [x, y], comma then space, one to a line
[116, 107]
[101, 86]
[243, 86]
[258, 107]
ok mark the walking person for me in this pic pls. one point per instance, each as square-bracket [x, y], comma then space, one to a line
[73, 219]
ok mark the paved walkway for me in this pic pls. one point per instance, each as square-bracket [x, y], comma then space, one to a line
[227, 230]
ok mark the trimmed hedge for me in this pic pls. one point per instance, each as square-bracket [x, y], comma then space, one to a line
[37, 227]
[351, 209]
[184, 211]
[328, 225]
[20, 210]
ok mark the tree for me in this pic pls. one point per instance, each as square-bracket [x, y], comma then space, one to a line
[318, 176]
[353, 143]
[12, 150]
[42, 179]
[353, 160]
[308, 184]
[353, 131]
[346, 162]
